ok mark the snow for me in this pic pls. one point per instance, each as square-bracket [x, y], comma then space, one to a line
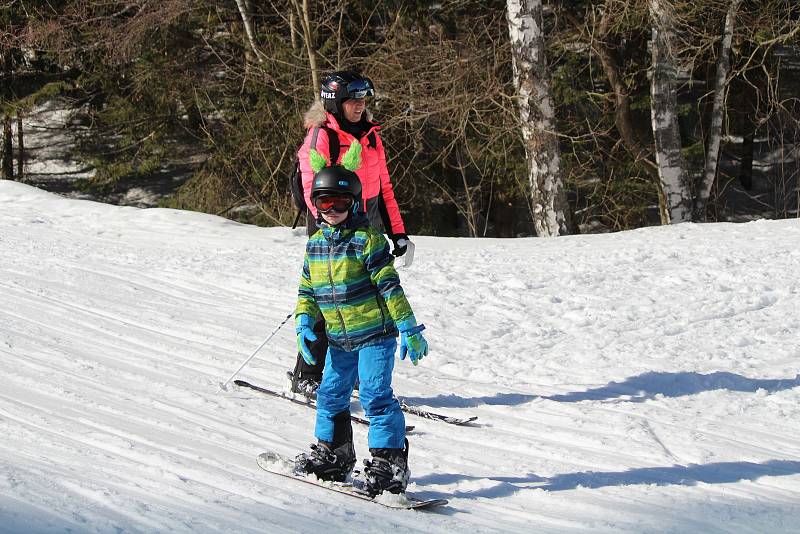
[50, 145]
[641, 381]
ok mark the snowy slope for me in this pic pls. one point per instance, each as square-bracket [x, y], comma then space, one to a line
[642, 381]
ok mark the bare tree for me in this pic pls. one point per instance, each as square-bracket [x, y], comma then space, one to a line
[664, 114]
[623, 119]
[551, 215]
[244, 11]
[717, 113]
[304, 13]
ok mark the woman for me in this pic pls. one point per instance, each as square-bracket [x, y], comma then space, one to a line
[337, 120]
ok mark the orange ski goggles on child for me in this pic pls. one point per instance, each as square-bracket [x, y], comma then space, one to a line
[339, 204]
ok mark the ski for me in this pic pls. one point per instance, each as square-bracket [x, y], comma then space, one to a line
[281, 465]
[305, 401]
[415, 410]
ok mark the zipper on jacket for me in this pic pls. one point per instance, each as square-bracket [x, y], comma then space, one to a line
[333, 292]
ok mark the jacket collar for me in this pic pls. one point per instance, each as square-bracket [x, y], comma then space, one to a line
[331, 122]
[335, 233]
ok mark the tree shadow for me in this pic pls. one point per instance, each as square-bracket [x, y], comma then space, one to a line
[636, 389]
[648, 385]
[454, 401]
[677, 475]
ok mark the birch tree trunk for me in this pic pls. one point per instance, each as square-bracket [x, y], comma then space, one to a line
[303, 12]
[551, 215]
[244, 11]
[677, 191]
[293, 28]
[717, 113]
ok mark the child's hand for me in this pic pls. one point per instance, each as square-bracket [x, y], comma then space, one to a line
[413, 344]
[305, 333]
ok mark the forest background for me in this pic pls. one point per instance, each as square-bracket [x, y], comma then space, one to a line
[212, 94]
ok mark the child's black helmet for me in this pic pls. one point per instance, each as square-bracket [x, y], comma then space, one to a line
[343, 85]
[336, 180]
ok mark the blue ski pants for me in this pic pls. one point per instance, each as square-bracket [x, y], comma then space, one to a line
[373, 366]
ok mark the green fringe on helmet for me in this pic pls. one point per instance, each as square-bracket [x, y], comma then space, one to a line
[350, 161]
[352, 158]
[317, 160]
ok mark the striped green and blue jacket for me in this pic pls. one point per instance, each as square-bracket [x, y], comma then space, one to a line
[349, 276]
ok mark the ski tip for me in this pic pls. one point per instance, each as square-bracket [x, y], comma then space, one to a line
[430, 504]
[409, 503]
[463, 422]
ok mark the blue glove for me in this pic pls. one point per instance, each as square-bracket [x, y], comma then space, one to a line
[304, 331]
[412, 342]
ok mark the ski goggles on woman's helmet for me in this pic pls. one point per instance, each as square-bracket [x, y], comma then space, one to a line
[360, 88]
[339, 204]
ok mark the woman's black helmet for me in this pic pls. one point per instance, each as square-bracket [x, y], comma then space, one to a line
[343, 85]
[336, 180]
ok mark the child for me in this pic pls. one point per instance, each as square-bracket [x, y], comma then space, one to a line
[349, 276]
[337, 119]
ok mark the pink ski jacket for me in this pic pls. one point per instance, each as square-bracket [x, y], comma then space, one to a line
[378, 194]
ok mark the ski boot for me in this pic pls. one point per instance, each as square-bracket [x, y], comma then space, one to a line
[331, 460]
[326, 462]
[306, 386]
[387, 471]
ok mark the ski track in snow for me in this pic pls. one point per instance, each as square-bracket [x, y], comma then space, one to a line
[645, 381]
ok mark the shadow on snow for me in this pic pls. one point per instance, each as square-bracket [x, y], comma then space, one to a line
[648, 385]
[635, 389]
[678, 475]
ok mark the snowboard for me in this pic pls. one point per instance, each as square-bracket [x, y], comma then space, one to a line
[278, 464]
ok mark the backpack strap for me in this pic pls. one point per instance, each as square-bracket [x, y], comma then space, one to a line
[314, 135]
[333, 142]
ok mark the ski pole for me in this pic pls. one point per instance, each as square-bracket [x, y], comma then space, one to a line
[223, 386]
